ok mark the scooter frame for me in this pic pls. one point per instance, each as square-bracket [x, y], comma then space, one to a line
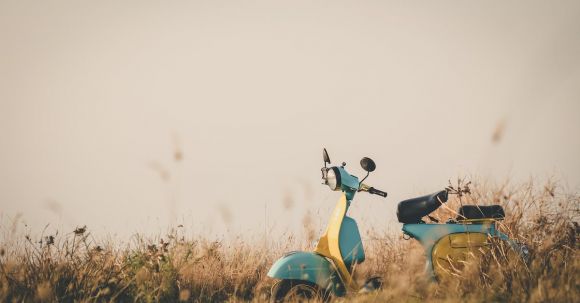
[326, 265]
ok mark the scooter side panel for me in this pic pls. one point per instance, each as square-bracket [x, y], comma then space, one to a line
[452, 251]
[429, 234]
[307, 266]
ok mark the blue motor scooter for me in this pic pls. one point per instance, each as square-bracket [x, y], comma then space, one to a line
[327, 271]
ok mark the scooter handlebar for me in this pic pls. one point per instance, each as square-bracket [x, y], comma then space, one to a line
[375, 191]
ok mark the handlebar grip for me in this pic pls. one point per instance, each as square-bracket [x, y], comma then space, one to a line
[375, 191]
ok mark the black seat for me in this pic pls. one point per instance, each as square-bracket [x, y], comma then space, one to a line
[412, 210]
[481, 212]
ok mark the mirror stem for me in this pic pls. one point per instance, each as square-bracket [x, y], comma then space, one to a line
[361, 181]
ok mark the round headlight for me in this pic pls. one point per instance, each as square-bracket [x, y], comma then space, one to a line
[333, 178]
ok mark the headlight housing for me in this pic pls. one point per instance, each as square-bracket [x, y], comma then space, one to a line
[331, 177]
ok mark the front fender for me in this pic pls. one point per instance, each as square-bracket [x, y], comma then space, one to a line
[307, 266]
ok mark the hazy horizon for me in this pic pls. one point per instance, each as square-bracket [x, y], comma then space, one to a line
[134, 116]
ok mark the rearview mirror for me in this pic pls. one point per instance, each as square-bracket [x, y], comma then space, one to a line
[368, 164]
[325, 156]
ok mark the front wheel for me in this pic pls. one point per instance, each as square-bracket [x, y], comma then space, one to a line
[296, 291]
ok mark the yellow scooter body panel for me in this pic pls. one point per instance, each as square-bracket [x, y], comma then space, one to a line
[329, 245]
[452, 251]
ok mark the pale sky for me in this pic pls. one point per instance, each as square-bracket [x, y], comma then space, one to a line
[96, 97]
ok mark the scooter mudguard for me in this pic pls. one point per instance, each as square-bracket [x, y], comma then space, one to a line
[307, 266]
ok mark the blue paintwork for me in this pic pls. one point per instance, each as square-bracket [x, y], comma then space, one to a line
[350, 243]
[349, 184]
[307, 266]
[429, 234]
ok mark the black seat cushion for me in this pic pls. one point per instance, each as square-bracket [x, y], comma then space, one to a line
[412, 210]
[481, 212]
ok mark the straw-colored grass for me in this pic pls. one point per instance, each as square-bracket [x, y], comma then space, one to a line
[73, 268]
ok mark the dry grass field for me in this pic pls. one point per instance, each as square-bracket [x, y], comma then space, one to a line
[73, 267]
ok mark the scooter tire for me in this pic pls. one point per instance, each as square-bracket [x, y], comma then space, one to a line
[296, 291]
